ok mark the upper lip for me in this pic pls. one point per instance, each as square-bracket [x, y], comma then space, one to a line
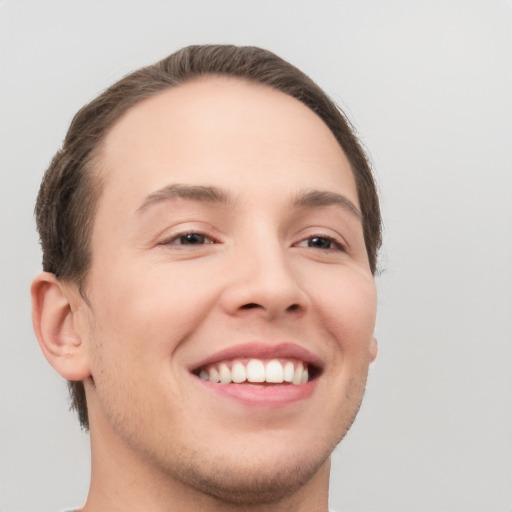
[261, 350]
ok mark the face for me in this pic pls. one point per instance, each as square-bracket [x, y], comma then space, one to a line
[227, 246]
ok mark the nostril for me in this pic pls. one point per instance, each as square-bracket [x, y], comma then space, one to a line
[293, 307]
[251, 305]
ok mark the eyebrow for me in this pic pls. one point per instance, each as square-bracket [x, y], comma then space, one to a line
[211, 194]
[319, 198]
[192, 192]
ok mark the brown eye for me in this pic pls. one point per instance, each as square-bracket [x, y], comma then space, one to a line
[189, 239]
[320, 242]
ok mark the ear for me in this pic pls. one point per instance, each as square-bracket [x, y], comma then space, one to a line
[374, 348]
[54, 316]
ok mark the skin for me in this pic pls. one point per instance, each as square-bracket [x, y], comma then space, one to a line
[269, 270]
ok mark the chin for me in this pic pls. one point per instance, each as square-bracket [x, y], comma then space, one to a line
[265, 470]
[250, 483]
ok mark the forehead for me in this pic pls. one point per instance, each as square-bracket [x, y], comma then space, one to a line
[225, 132]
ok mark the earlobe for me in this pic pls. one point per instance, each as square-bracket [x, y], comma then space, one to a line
[56, 329]
[373, 349]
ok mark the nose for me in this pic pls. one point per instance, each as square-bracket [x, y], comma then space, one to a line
[262, 281]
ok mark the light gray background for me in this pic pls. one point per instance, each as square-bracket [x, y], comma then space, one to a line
[428, 85]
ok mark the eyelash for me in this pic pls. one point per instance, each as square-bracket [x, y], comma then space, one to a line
[173, 240]
[336, 245]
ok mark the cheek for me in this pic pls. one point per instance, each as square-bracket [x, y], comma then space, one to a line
[149, 308]
[349, 312]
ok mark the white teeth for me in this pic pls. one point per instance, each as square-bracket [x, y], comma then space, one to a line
[255, 371]
[214, 375]
[274, 372]
[288, 371]
[238, 373]
[224, 374]
[297, 375]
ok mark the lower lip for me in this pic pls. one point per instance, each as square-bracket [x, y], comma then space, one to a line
[260, 395]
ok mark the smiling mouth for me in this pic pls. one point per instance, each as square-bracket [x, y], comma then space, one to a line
[258, 371]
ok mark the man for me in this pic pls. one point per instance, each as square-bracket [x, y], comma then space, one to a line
[210, 230]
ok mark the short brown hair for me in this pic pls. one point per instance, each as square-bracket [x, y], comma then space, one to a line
[70, 189]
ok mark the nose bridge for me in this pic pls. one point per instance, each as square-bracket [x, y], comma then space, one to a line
[263, 277]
